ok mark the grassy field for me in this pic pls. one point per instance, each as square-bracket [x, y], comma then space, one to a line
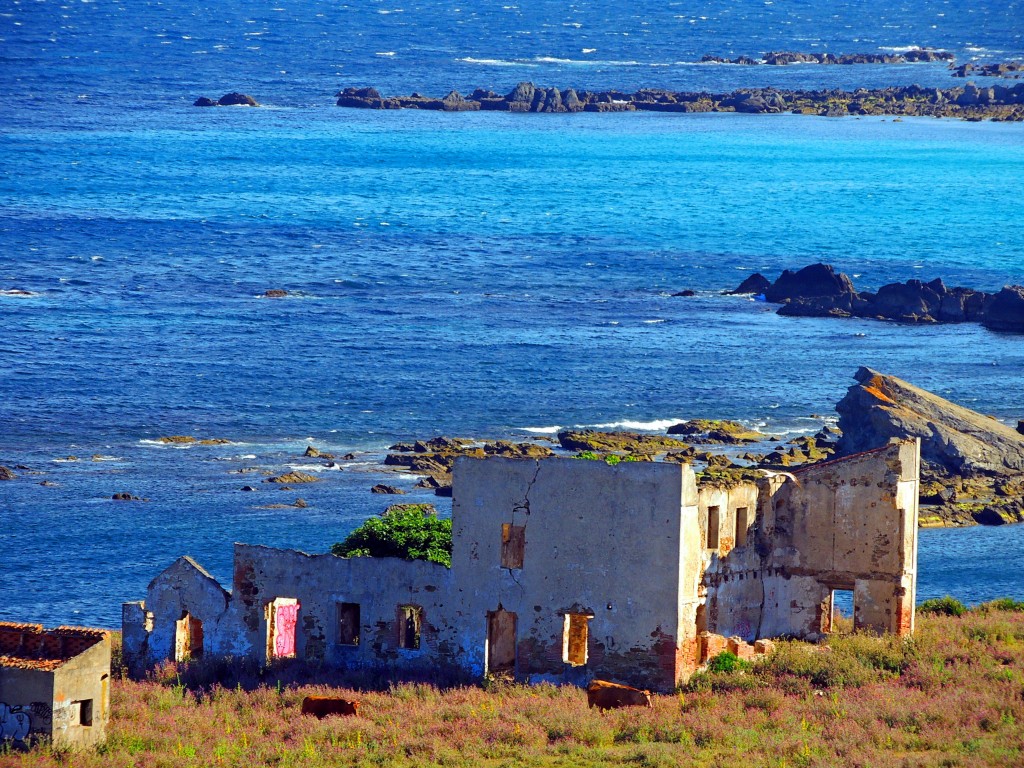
[951, 696]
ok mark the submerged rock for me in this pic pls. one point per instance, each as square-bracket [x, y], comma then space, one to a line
[6, 474]
[293, 477]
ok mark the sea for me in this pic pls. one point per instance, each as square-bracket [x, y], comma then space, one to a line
[479, 275]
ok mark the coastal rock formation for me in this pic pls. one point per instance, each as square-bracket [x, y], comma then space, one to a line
[1012, 69]
[820, 291]
[783, 58]
[232, 99]
[816, 280]
[293, 477]
[755, 284]
[6, 474]
[634, 443]
[953, 438]
[387, 489]
[716, 431]
[968, 102]
[1005, 312]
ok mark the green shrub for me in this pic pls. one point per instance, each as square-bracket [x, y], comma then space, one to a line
[1003, 604]
[943, 606]
[726, 661]
[409, 531]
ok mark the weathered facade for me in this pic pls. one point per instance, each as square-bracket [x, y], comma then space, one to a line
[569, 570]
[54, 685]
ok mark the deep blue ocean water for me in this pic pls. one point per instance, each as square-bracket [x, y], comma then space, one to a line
[483, 275]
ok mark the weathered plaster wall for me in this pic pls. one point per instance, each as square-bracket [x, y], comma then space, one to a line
[83, 682]
[619, 544]
[320, 583]
[44, 683]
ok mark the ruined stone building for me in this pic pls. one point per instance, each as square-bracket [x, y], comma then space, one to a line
[54, 685]
[568, 570]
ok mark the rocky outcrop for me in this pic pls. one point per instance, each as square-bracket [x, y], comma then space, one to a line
[6, 474]
[953, 438]
[1012, 69]
[784, 58]
[1005, 312]
[634, 443]
[755, 284]
[968, 102]
[387, 489]
[716, 431]
[293, 478]
[820, 291]
[233, 99]
[814, 281]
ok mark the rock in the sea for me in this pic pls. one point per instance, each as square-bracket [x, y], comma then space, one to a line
[685, 294]
[6, 474]
[387, 489]
[235, 99]
[314, 453]
[953, 438]
[125, 497]
[755, 284]
[810, 282]
[625, 442]
[177, 439]
[715, 431]
[275, 293]
[1005, 312]
[204, 101]
[293, 477]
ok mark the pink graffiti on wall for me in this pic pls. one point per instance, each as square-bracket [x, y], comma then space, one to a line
[285, 619]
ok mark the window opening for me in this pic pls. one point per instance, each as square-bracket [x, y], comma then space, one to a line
[282, 618]
[714, 521]
[513, 545]
[742, 522]
[348, 623]
[410, 622]
[501, 642]
[838, 612]
[188, 638]
[574, 638]
[85, 712]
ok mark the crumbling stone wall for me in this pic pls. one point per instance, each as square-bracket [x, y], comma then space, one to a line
[615, 547]
[568, 570]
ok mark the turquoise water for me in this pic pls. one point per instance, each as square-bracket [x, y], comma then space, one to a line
[485, 275]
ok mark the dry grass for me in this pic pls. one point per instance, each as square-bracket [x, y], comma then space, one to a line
[951, 696]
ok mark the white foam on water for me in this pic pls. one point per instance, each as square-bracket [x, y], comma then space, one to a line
[658, 425]
[540, 430]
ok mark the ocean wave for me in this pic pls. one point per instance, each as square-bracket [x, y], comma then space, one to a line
[495, 62]
[541, 430]
[18, 292]
[899, 48]
[313, 468]
[657, 425]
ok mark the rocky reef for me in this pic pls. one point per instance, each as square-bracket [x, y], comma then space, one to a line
[233, 99]
[1010, 69]
[818, 290]
[969, 102]
[783, 58]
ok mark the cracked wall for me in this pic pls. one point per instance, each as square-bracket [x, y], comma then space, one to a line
[568, 570]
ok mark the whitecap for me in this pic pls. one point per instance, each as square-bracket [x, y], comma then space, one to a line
[658, 425]
[385, 53]
[495, 62]
[18, 292]
[588, 50]
[654, 322]
[540, 430]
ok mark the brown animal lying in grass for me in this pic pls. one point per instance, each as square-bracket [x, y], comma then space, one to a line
[605, 695]
[322, 706]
